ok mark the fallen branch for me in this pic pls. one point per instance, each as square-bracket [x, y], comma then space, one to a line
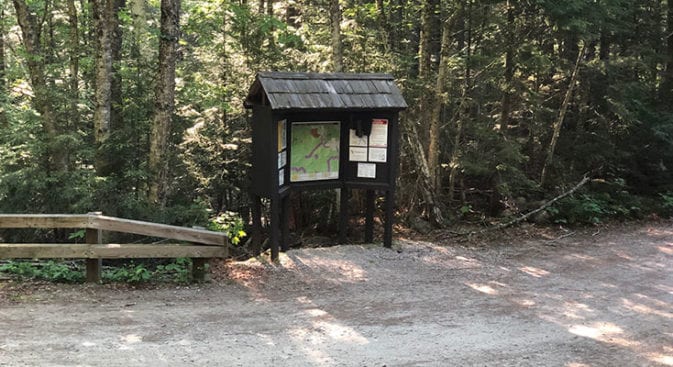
[524, 217]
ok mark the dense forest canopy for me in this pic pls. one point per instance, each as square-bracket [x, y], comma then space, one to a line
[134, 107]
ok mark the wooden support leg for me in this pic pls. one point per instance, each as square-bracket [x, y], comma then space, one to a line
[256, 240]
[93, 266]
[369, 216]
[343, 216]
[199, 269]
[388, 226]
[285, 223]
[275, 228]
[93, 270]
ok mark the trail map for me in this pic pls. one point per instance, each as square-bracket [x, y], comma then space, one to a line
[314, 151]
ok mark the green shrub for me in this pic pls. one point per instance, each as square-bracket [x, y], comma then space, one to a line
[230, 223]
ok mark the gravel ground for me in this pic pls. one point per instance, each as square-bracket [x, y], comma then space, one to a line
[594, 298]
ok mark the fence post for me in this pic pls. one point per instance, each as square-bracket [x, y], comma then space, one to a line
[94, 236]
[199, 271]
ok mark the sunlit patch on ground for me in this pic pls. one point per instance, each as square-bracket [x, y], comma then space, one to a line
[533, 271]
[668, 250]
[483, 288]
[645, 309]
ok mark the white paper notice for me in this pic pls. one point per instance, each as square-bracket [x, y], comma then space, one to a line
[360, 141]
[281, 177]
[282, 159]
[378, 155]
[357, 154]
[282, 135]
[379, 135]
[367, 170]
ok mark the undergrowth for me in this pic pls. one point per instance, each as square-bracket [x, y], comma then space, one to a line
[176, 271]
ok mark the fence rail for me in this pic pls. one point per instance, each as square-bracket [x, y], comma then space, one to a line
[204, 244]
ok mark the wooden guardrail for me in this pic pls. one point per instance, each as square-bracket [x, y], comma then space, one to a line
[204, 244]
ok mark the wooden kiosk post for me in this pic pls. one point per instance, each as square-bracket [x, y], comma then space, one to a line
[323, 131]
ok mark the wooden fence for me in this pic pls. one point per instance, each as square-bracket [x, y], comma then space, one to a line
[202, 244]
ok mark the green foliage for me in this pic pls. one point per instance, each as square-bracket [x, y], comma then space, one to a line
[596, 208]
[51, 271]
[229, 223]
[127, 274]
[175, 271]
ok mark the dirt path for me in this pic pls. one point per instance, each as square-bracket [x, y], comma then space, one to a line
[585, 300]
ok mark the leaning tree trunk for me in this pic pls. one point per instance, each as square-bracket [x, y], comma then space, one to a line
[164, 102]
[561, 117]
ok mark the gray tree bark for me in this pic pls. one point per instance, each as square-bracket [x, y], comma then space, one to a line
[164, 103]
[31, 37]
[337, 46]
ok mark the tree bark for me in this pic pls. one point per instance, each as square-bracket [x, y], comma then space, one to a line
[509, 68]
[441, 98]
[3, 80]
[31, 32]
[428, 44]
[337, 46]
[164, 103]
[107, 96]
[666, 88]
[103, 81]
[561, 117]
[73, 66]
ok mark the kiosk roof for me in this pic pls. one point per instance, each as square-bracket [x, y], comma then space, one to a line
[310, 91]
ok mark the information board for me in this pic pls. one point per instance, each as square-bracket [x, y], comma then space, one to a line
[314, 150]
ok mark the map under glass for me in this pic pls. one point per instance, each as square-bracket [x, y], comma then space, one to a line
[314, 151]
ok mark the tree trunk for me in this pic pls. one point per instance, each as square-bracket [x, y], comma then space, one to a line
[164, 103]
[108, 95]
[31, 32]
[441, 98]
[433, 206]
[103, 81]
[73, 41]
[509, 68]
[428, 41]
[666, 88]
[3, 80]
[562, 113]
[337, 47]
[386, 31]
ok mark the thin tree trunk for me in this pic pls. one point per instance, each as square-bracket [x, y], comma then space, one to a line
[559, 121]
[103, 82]
[116, 117]
[428, 45]
[456, 152]
[666, 88]
[73, 65]
[509, 68]
[440, 99]
[3, 80]
[432, 203]
[164, 103]
[337, 46]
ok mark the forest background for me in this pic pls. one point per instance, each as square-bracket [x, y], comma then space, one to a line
[134, 107]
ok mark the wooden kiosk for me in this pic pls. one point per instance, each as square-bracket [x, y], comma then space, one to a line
[323, 131]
